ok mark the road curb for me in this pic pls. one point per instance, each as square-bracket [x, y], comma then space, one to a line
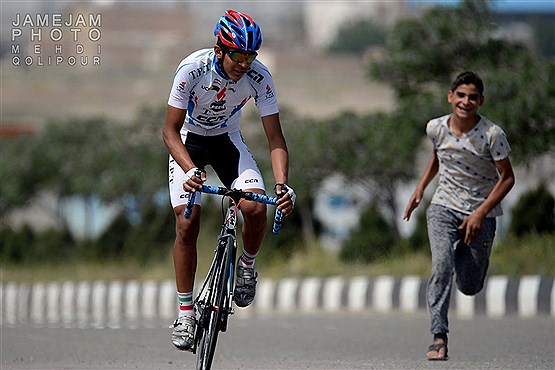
[130, 303]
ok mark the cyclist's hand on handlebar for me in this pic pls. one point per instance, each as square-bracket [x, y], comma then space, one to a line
[194, 178]
[286, 198]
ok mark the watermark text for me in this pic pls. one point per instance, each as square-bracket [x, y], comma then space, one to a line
[54, 39]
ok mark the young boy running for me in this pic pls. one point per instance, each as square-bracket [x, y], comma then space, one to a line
[471, 155]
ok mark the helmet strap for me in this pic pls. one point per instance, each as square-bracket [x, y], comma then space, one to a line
[220, 61]
[220, 67]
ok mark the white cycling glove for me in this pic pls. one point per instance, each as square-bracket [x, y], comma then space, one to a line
[192, 172]
[290, 191]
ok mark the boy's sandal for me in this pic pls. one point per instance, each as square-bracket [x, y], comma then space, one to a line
[436, 348]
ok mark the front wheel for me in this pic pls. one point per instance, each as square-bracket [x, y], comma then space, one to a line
[211, 319]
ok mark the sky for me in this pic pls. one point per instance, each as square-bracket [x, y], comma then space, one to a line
[536, 6]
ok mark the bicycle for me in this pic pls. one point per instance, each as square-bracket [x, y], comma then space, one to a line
[214, 301]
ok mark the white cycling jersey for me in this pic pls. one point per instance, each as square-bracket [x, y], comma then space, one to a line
[213, 102]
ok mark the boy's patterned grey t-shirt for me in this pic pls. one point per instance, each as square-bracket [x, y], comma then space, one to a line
[467, 172]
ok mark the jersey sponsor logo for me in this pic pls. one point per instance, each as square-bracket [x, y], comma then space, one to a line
[171, 170]
[255, 76]
[185, 196]
[269, 92]
[181, 86]
[216, 85]
[221, 94]
[197, 72]
[209, 118]
[218, 106]
[251, 181]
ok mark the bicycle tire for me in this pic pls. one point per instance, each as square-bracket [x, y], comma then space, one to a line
[215, 305]
[229, 261]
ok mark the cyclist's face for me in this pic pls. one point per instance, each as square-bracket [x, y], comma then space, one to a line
[235, 63]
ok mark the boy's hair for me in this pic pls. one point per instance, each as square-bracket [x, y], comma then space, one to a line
[467, 78]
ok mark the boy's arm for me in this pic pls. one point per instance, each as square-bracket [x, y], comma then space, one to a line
[427, 176]
[505, 183]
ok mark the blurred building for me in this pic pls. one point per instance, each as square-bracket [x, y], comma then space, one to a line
[324, 18]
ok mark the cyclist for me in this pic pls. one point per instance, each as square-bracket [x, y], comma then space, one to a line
[202, 127]
[471, 155]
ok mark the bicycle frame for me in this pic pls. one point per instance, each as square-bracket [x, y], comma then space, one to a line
[214, 302]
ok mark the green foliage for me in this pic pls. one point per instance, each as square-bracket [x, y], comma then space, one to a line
[418, 240]
[306, 144]
[15, 245]
[54, 245]
[78, 156]
[524, 105]
[152, 238]
[371, 241]
[430, 49]
[534, 213]
[111, 244]
[86, 156]
[29, 246]
[146, 242]
[423, 55]
[20, 175]
[284, 244]
[358, 35]
[368, 149]
[532, 254]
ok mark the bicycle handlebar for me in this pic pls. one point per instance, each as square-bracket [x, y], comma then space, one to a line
[237, 194]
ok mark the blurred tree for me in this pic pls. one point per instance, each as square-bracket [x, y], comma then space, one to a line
[144, 166]
[371, 240]
[423, 55]
[19, 175]
[90, 157]
[306, 144]
[534, 213]
[373, 151]
[369, 150]
[357, 36]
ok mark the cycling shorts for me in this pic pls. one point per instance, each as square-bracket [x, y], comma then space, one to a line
[229, 157]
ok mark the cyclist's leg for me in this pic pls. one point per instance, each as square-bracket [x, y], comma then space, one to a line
[254, 230]
[238, 169]
[184, 251]
[233, 163]
[186, 231]
[185, 260]
[249, 178]
[254, 225]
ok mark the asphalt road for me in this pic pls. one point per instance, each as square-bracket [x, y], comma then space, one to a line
[323, 341]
